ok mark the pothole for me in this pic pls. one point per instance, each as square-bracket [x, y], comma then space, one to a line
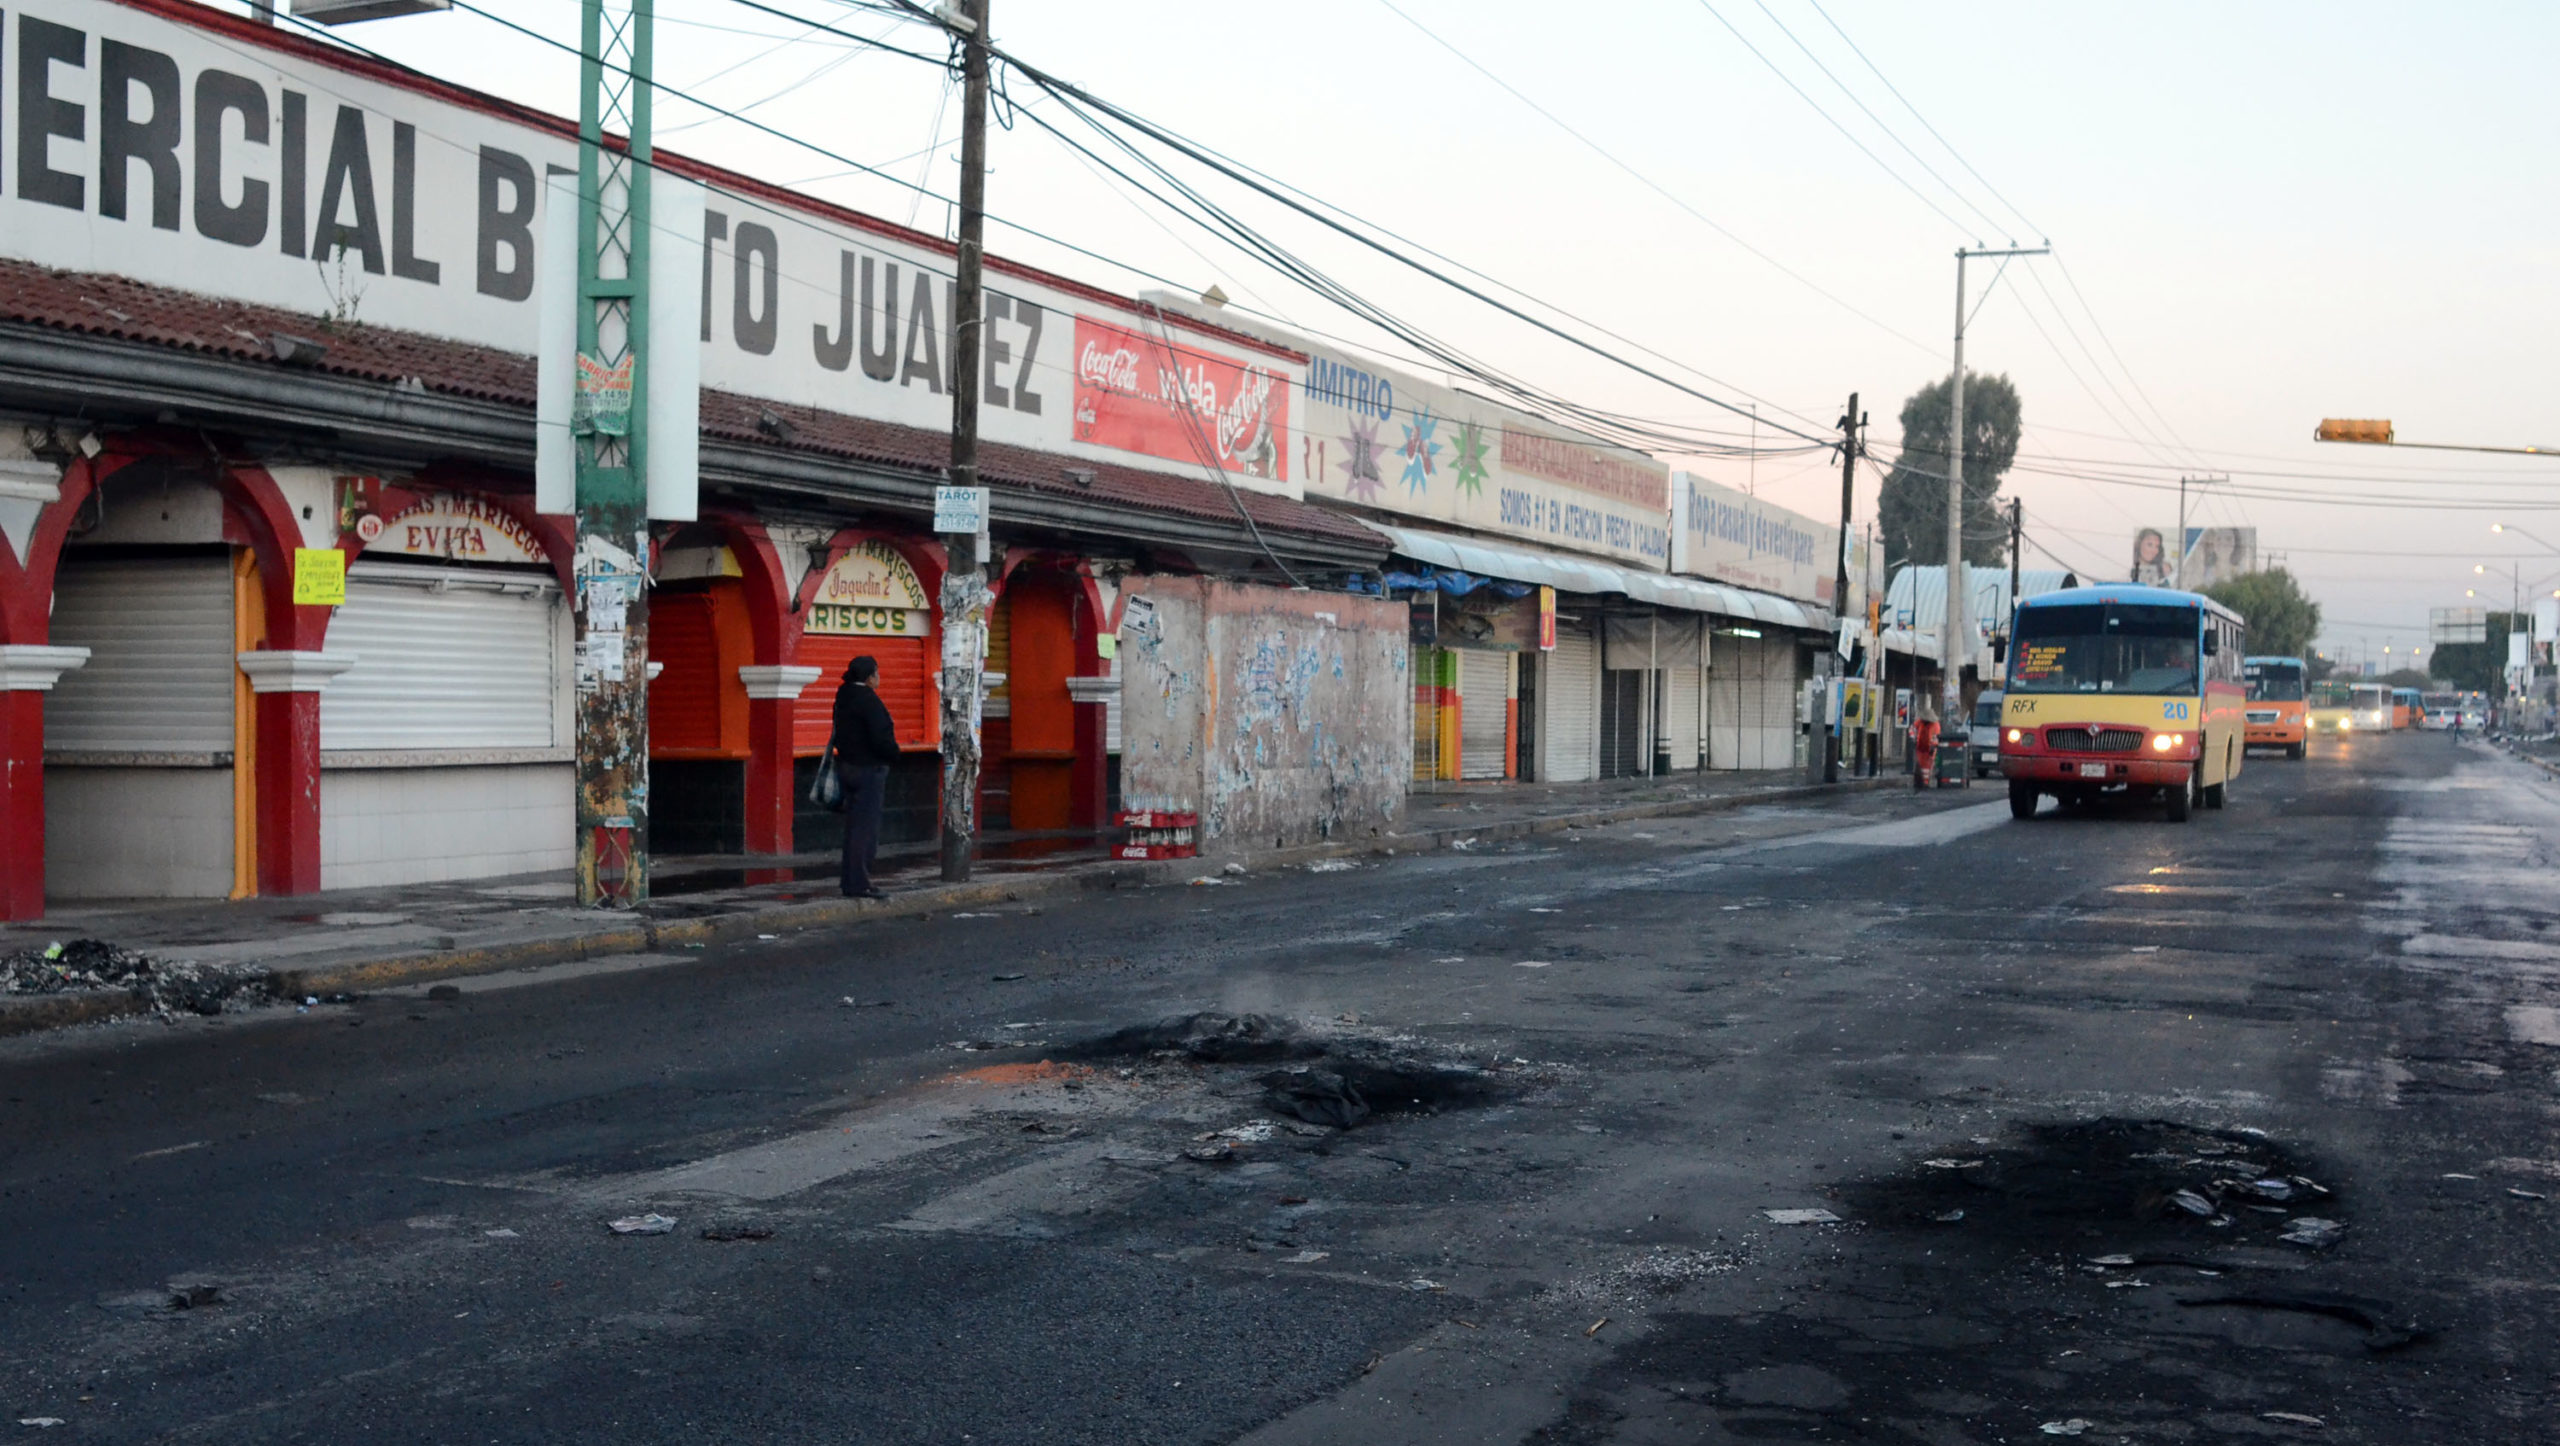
[1340, 1080]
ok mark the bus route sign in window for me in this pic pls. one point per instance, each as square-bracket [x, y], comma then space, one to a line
[2106, 648]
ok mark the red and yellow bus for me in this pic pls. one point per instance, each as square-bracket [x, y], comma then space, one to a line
[2123, 689]
[2279, 714]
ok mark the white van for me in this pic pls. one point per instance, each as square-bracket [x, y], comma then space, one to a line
[1986, 732]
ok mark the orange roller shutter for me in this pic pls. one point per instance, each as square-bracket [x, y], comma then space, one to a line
[906, 685]
[684, 699]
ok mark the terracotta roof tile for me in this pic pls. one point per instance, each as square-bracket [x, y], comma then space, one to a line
[127, 310]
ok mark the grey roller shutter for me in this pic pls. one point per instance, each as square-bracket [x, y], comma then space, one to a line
[1779, 686]
[1484, 691]
[160, 673]
[475, 665]
[1680, 711]
[1572, 705]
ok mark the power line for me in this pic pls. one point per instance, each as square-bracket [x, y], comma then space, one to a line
[1890, 133]
[2032, 228]
[1863, 149]
[1657, 188]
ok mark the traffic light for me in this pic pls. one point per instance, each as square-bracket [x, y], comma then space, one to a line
[2351, 429]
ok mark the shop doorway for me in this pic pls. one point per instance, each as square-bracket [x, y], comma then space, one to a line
[1040, 748]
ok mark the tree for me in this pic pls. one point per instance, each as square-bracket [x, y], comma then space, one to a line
[2478, 667]
[1914, 506]
[2405, 678]
[2282, 621]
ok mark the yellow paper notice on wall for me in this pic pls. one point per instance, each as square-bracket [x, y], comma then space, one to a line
[319, 576]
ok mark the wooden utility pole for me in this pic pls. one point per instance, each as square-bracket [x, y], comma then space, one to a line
[1850, 423]
[964, 579]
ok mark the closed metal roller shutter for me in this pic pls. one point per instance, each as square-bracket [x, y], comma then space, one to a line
[1725, 689]
[1768, 705]
[1622, 750]
[1484, 696]
[906, 684]
[477, 664]
[684, 699]
[1572, 705]
[160, 669]
[1680, 713]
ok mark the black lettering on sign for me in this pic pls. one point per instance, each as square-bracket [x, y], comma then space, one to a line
[880, 363]
[836, 353]
[922, 331]
[349, 176]
[715, 227]
[220, 94]
[507, 198]
[405, 260]
[41, 117]
[1025, 400]
[756, 308]
[996, 307]
[152, 140]
[293, 176]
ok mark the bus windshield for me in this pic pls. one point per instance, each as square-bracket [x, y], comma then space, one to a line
[2275, 680]
[2106, 648]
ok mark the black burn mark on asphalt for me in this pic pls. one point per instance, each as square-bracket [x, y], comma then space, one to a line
[1925, 1327]
[2104, 1186]
[1337, 1080]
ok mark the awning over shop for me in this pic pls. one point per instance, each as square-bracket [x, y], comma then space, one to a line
[1590, 575]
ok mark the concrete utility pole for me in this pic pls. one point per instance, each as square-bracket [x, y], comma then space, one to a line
[1850, 423]
[1953, 627]
[2009, 626]
[964, 580]
[609, 421]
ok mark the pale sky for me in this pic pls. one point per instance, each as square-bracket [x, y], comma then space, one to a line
[2276, 212]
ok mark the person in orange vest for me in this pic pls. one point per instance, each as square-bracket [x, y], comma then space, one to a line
[1924, 746]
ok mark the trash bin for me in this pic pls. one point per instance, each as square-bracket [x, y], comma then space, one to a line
[1955, 760]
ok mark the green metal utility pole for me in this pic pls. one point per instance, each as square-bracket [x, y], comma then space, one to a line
[609, 420]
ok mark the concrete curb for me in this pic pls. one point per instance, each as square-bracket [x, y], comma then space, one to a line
[642, 935]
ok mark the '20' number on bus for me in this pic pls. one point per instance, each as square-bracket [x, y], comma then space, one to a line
[2177, 711]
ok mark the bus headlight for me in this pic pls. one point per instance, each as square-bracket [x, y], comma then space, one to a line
[2159, 742]
[2017, 735]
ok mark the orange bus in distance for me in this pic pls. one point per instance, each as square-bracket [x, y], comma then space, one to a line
[2278, 714]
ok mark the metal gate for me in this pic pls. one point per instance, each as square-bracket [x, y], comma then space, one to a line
[1622, 750]
[1484, 706]
[1572, 705]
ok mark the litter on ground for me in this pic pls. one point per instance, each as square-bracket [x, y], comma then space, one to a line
[652, 1223]
[1802, 1217]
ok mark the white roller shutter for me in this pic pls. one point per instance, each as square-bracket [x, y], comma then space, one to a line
[476, 665]
[1571, 703]
[1484, 691]
[161, 665]
[1680, 713]
[1727, 689]
[1776, 743]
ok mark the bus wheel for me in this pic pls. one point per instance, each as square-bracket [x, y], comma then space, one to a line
[2022, 799]
[2213, 793]
[2180, 798]
[2295, 751]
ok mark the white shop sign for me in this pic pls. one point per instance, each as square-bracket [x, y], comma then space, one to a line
[236, 160]
[1731, 537]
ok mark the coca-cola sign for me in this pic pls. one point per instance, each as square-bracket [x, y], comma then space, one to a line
[1138, 392]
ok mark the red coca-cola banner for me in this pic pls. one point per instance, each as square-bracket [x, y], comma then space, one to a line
[1139, 394]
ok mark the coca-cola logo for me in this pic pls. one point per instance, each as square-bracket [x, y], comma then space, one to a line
[1113, 368]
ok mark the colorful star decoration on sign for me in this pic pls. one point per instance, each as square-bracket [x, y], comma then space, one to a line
[1421, 451]
[1467, 461]
[1360, 475]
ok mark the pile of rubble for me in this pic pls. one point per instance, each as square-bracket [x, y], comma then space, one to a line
[168, 986]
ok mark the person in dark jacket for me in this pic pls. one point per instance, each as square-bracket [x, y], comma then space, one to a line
[866, 743]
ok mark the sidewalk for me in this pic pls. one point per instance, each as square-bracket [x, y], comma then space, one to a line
[351, 940]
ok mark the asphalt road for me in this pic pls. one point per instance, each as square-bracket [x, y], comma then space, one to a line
[1998, 1052]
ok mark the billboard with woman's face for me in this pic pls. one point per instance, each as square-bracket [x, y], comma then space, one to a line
[2150, 557]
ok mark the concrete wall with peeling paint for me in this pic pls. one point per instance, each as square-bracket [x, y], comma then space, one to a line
[1282, 717]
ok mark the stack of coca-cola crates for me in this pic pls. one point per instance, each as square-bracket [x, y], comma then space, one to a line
[1157, 834]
